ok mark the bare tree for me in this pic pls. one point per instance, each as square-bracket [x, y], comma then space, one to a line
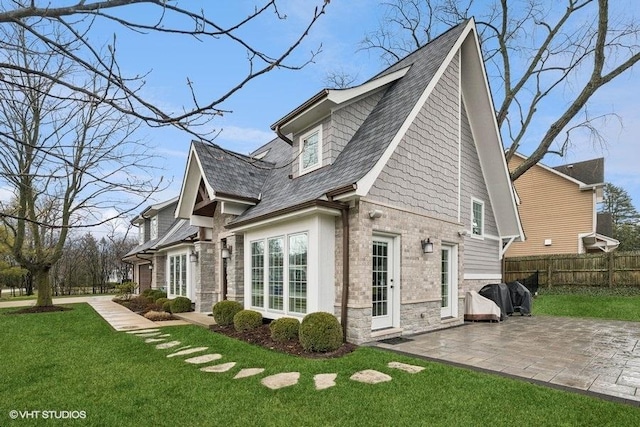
[66, 158]
[76, 19]
[543, 59]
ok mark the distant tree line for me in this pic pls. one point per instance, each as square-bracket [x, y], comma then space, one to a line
[625, 218]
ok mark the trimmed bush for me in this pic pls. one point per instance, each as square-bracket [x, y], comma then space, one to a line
[146, 292]
[161, 301]
[223, 312]
[157, 294]
[284, 329]
[166, 306]
[320, 332]
[180, 305]
[157, 316]
[247, 320]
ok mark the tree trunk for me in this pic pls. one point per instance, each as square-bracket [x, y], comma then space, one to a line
[41, 277]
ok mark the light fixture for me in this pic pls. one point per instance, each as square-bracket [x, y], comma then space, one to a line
[376, 213]
[193, 256]
[427, 246]
[463, 233]
[226, 252]
[150, 266]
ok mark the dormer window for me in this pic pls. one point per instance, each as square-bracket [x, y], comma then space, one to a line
[141, 233]
[311, 150]
[154, 228]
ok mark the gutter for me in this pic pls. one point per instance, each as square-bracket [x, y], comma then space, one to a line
[282, 136]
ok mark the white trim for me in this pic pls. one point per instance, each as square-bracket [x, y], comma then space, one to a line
[185, 207]
[504, 247]
[286, 217]
[482, 276]
[454, 265]
[460, 137]
[340, 96]
[301, 144]
[366, 182]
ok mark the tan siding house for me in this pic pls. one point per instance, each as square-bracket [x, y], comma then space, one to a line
[558, 211]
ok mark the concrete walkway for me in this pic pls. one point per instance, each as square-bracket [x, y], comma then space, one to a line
[592, 356]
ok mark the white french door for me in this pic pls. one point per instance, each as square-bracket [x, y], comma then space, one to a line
[449, 281]
[382, 286]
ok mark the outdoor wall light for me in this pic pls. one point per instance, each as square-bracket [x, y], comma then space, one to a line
[226, 252]
[150, 266]
[193, 256]
[376, 213]
[427, 246]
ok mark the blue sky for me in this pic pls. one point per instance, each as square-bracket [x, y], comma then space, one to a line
[214, 66]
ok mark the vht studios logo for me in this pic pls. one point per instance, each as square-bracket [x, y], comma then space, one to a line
[53, 415]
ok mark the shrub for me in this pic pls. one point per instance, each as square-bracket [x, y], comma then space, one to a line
[224, 311]
[320, 332]
[156, 294]
[161, 301]
[246, 320]
[125, 290]
[284, 329]
[140, 304]
[158, 315]
[180, 305]
[146, 292]
[166, 306]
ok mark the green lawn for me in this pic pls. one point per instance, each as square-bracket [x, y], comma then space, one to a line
[73, 361]
[598, 306]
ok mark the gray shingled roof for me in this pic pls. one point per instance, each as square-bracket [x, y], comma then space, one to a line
[358, 157]
[183, 232]
[589, 172]
[232, 173]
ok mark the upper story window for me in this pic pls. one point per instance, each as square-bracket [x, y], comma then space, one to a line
[477, 218]
[141, 233]
[154, 228]
[311, 150]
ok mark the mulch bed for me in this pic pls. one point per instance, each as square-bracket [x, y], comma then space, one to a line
[47, 309]
[262, 337]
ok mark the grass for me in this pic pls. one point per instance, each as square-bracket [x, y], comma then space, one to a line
[595, 306]
[6, 296]
[74, 361]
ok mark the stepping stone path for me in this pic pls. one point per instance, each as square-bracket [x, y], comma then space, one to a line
[323, 381]
[166, 345]
[370, 376]
[198, 360]
[187, 351]
[224, 367]
[248, 372]
[143, 331]
[412, 369]
[274, 382]
[285, 379]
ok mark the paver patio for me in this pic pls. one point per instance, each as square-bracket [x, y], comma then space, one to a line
[599, 356]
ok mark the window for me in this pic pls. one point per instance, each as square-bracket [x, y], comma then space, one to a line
[311, 150]
[141, 234]
[257, 274]
[178, 275]
[477, 218]
[154, 228]
[280, 272]
[298, 273]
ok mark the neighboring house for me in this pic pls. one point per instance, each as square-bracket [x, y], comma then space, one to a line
[165, 244]
[558, 209]
[383, 203]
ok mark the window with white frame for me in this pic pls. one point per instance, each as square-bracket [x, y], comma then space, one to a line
[154, 228]
[280, 273]
[178, 275]
[311, 150]
[141, 233]
[477, 218]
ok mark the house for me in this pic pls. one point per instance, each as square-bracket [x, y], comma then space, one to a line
[382, 203]
[161, 260]
[558, 209]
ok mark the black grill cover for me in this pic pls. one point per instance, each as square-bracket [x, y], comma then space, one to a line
[499, 293]
[520, 297]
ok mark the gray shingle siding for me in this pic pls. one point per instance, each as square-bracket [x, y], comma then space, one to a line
[480, 256]
[166, 219]
[422, 173]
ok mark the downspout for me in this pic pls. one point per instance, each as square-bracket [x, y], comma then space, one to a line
[282, 136]
[345, 270]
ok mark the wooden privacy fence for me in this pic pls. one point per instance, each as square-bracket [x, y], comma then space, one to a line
[603, 269]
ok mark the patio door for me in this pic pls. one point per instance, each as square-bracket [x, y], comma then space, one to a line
[449, 281]
[382, 286]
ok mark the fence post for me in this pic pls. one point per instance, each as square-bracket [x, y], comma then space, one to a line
[611, 268]
[549, 274]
